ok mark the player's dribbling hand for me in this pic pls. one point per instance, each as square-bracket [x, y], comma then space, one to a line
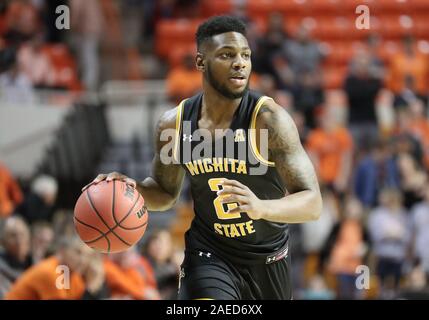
[234, 191]
[110, 177]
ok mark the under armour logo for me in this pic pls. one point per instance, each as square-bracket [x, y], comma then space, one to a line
[186, 137]
[207, 254]
[270, 259]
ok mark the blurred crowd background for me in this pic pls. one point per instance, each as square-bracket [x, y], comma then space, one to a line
[359, 98]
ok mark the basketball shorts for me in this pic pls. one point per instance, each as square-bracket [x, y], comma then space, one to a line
[206, 276]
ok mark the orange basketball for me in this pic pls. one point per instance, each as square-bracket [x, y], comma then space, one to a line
[110, 216]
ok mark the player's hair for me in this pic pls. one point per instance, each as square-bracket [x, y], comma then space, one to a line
[218, 25]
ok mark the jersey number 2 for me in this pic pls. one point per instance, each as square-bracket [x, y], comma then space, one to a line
[219, 206]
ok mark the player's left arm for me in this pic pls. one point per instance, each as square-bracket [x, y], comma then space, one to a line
[304, 201]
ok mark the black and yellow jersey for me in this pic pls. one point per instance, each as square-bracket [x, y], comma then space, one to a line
[234, 155]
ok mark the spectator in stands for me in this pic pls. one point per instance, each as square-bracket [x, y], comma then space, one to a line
[415, 123]
[143, 265]
[330, 147]
[420, 218]
[303, 53]
[15, 257]
[15, 86]
[390, 231]
[317, 289]
[413, 180]
[416, 285]
[159, 252]
[362, 85]
[239, 10]
[184, 80]
[408, 72]
[304, 57]
[267, 86]
[35, 63]
[22, 22]
[348, 249]
[302, 127]
[75, 272]
[87, 25]
[10, 192]
[124, 278]
[376, 170]
[315, 234]
[267, 58]
[39, 203]
[42, 237]
[373, 45]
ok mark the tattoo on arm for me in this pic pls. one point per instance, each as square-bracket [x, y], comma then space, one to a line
[168, 176]
[285, 149]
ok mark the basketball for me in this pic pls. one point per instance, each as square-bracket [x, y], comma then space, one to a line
[110, 216]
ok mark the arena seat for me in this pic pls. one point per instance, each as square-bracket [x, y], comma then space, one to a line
[394, 26]
[171, 32]
[212, 8]
[326, 7]
[262, 8]
[333, 78]
[175, 57]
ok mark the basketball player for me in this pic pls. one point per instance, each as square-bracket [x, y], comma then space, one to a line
[237, 245]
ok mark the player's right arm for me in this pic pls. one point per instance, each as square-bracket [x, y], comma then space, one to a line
[161, 190]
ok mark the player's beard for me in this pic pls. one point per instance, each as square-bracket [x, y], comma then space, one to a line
[223, 90]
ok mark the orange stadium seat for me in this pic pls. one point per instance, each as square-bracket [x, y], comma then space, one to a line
[393, 6]
[351, 5]
[175, 57]
[394, 26]
[211, 8]
[326, 7]
[419, 6]
[338, 27]
[169, 33]
[333, 78]
[422, 26]
[262, 8]
[339, 53]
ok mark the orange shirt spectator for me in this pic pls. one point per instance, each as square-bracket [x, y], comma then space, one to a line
[408, 69]
[183, 81]
[146, 270]
[40, 283]
[346, 252]
[124, 282]
[10, 192]
[327, 148]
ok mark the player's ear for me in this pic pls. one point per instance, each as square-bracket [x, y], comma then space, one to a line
[199, 61]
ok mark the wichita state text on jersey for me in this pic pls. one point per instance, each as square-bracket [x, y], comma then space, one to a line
[232, 235]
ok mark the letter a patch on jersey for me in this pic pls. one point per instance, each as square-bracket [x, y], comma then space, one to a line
[239, 136]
